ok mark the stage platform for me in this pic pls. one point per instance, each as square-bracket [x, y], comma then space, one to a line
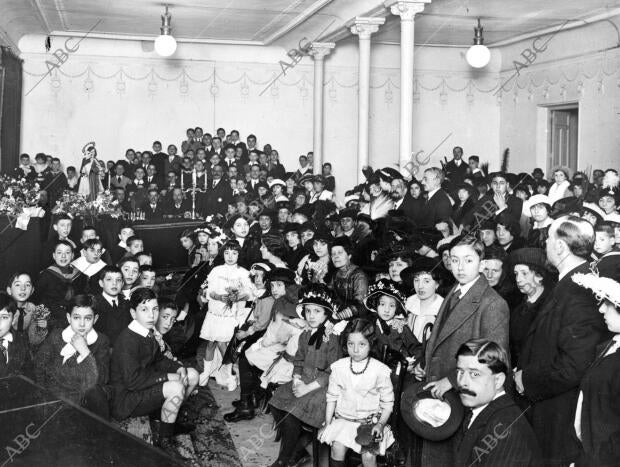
[40, 429]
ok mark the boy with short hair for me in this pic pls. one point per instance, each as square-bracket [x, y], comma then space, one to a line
[120, 249]
[471, 310]
[60, 282]
[72, 361]
[135, 245]
[144, 380]
[110, 305]
[90, 262]
[608, 262]
[62, 226]
[147, 277]
[14, 353]
[130, 269]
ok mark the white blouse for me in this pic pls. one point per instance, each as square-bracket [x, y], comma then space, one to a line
[417, 318]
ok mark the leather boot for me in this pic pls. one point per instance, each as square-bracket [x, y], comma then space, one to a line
[243, 411]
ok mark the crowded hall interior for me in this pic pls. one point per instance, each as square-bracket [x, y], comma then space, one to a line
[327, 233]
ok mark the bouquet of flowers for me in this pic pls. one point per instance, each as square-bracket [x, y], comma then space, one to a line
[232, 294]
[73, 204]
[41, 312]
[105, 204]
[17, 194]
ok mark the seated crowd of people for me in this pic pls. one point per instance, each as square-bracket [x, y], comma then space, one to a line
[501, 287]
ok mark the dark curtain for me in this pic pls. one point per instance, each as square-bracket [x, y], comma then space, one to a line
[10, 109]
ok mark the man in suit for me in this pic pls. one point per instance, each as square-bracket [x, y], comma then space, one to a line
[494, 432]
[189, 143]
[251, 139]
[471, 310]
[456, 169]
[218, 195]
[173, 161]
[497, 201]
[153, 208]
[119, 179]
[254, 178]
[403, 201]
[437, 205]
[474, 169]
[177, 207]
[561, 344]
[110, 305]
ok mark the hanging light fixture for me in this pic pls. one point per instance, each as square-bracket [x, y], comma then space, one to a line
[165, 44]
[478, 55]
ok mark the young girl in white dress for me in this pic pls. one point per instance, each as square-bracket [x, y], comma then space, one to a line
[360, 398]
[228, 287]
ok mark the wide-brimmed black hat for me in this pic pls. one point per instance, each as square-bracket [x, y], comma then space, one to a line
[281, 274]
[430, 418]
[305, 178]
[423, 264]
[565, 206]
[323, 235]
[348, 212]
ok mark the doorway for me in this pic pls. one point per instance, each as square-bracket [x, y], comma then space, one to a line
[563, 136]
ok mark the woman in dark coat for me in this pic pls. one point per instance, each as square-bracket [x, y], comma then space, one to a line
[533, 281]
[597, 418]
[303, 400]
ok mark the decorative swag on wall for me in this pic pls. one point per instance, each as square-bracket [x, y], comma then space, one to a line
[544, 81]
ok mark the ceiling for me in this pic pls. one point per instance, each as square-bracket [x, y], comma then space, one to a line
[261, 22]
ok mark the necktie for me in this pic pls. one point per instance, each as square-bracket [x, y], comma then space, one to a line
[5, 353]
[114, 305]
[467, 420]
[214, 184]
[119, 179]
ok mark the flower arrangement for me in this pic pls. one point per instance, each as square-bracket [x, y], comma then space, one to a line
[77, 205]
[17, 194]
[41, 312]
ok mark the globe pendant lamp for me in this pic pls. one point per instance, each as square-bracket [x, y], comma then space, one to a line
[478, 55]
[165, 44]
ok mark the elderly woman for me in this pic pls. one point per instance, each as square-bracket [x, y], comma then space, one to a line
[532, 278]
[539, 208]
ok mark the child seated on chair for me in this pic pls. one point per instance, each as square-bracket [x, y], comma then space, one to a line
[302, 401]
[145, 381]
[360, 398]
[14, 353]
[387, 301]
[72, 361]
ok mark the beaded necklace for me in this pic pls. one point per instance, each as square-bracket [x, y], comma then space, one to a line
[358, 372]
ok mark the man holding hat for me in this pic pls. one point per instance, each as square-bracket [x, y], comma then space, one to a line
[493, 432]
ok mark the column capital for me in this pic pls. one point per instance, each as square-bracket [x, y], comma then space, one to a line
[406, 9]
[364, 27]
[320, 50]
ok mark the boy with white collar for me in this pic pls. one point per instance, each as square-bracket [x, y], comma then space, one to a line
[90, 262]
[145, 381]
[74, 360]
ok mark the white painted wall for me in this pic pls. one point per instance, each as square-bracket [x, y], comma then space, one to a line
[120, 94]
[579, 65]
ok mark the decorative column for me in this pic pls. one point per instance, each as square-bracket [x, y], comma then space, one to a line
[318, 51]
[407, 10]
[364, 27]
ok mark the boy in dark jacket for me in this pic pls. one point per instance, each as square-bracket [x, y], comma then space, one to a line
[14, 354]
[144, 379]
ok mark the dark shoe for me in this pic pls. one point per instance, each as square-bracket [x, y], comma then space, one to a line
[335, 463]
[183, 428]
[299, 459]
[244, 410]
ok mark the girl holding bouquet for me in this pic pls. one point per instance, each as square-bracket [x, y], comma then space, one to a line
[228, 287]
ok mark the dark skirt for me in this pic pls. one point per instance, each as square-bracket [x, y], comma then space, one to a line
[310, 409]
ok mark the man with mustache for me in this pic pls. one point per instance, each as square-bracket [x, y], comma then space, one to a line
[493, 432]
